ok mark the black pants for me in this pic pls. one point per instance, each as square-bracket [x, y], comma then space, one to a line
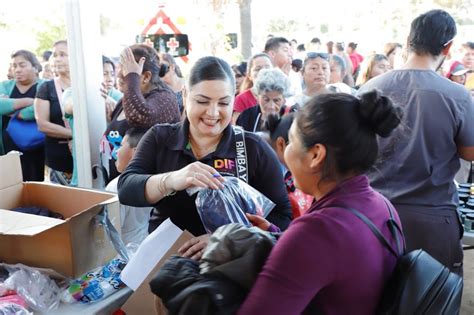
[32, 165]
[438, 231]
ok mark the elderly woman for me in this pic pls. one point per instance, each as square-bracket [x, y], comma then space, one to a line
[49, 112]
[373, 66]
[271, 87]
[173, 158]
[17, 96]
[316, 75]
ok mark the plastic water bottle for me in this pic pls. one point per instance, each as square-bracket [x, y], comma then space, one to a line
[96, 285]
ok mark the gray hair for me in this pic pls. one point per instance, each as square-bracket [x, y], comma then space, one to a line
[269, 80]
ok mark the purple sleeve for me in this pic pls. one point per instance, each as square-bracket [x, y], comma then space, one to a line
[293, 275]
[159, 107]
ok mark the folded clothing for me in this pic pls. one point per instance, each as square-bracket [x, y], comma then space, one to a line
[38, 211]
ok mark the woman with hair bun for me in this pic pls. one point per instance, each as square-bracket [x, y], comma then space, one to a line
[328, 261]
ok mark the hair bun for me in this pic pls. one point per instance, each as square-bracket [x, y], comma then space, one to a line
[379, 113]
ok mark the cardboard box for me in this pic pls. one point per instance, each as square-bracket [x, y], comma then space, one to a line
[141, 269]
[72, 246]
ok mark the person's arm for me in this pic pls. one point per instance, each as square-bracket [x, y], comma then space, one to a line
[292, 274]
[466, 153]
[140, 186]
[159, 107]
[269, 181]
[9, 105]
[465, 135]
[45, 125]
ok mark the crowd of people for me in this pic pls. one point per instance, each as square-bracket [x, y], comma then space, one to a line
[325, 129]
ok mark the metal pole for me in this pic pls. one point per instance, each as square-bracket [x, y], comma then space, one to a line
[85, 61]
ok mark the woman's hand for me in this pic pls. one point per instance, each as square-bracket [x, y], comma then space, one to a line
[258, 221]
[196, 174]
[128, 63]
[194, 247]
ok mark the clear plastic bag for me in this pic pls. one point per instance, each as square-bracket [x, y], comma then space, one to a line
[218, 207]
[39, 291]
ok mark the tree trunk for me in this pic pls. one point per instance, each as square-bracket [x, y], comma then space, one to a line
[245, 28]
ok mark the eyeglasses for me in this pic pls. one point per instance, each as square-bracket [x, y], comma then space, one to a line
[314, 55]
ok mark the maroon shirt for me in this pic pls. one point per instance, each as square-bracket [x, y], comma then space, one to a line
[328, 261]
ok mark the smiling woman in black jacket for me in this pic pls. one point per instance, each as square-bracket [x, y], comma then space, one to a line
[198, 153]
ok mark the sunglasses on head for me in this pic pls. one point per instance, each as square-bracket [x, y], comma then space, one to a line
[314, 55]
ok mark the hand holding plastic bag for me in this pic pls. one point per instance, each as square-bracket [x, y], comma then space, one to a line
[218, 207]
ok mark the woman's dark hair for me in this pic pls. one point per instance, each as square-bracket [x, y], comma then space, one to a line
[431, 32]
[31, 57]
[210, 69]
[279, 125]
[170, 60]
[347, 126]
[152, 63]
[107, 60]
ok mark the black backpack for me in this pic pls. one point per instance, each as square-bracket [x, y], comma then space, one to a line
[419, 284]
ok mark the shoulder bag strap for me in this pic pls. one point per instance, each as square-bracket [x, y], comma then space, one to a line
[241, 154]
[395, 230]
[374, 230]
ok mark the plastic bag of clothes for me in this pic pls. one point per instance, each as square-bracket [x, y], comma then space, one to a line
[218, 207]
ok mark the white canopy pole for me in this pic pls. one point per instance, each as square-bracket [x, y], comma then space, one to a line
[85, 62]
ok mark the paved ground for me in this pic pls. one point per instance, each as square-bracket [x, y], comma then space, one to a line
[467, 307]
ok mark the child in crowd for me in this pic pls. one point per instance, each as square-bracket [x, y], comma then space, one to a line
[134, 220]
[278, 127]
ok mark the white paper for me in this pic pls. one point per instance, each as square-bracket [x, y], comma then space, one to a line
[150, 252]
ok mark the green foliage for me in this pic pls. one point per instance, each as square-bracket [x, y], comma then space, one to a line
[49, 34]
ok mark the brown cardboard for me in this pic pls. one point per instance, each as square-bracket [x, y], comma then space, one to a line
[71, 247]
[142, 301]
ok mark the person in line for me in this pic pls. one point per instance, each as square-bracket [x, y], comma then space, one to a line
[348, 78]
[468, 62]
[49, 113]
[373, 66]
[108, 91]
[328, 260]
[338, 72]
[247, 98]
[355, 57]
[277, 127]
[18, 95]
[279, 50]
[271, 88]
[199, 152]
[173, 77]
[418, 162]
[146, 101]
[133, 220]
[240, 71]
[316, 74]
[393, 52]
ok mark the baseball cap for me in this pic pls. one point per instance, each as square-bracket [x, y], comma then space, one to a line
[457, 68]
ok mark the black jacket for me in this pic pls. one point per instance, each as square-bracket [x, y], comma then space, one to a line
[229, 267]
